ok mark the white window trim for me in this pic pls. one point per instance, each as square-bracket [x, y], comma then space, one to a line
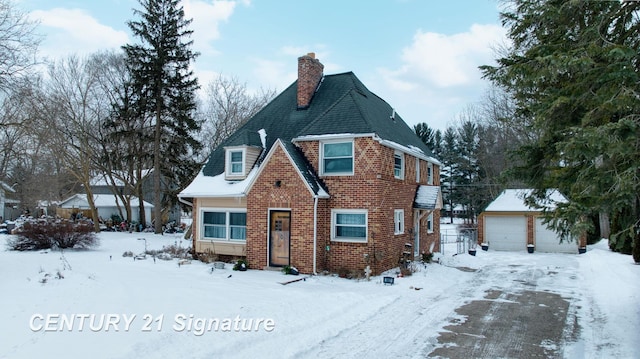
[417, 170]
[348, 239]
[398, 221]
[430, 223]
[429, 173]
[401, 156]
[229, 167]
[227, 211]
[353, 162]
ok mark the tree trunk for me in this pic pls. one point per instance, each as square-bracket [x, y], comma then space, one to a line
[157, 192]
[605, 230]
[636, 234]
[92, 206]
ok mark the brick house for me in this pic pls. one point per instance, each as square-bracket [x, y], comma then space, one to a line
[327, 176]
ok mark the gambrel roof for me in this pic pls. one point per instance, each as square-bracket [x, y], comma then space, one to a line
[340, 105]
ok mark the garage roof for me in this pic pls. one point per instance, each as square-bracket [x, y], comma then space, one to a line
[513, 200]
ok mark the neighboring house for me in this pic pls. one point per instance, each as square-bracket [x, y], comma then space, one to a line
[458, 211]
[327, 176]
[8, 205]
[509, 224]
[107, 205]
[102, 185]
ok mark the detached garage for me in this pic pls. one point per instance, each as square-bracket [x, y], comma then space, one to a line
[508, 224]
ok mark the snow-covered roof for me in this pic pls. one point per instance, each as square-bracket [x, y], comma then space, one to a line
[101, 179]
[217, 186]
[513, 200]
[427, 197]
[100, 200]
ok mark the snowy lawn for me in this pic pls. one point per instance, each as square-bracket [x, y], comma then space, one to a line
[99, 304]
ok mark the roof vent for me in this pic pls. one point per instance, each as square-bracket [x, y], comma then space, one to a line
[393, 115]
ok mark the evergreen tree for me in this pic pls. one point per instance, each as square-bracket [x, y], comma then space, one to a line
[426, 135]
[468, 176]
[166, 87]
[574, 70]
[450, 159]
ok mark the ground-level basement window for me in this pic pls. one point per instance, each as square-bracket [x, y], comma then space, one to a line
[224, 225]
[349, 225]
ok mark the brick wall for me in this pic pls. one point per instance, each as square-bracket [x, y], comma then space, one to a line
[293, 195]
[531, 229]
[372, 187]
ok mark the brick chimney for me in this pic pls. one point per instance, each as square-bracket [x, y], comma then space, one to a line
[309, 76]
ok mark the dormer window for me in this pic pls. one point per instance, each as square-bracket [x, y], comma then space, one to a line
[235, 162]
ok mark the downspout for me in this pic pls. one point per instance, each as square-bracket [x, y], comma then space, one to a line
[315, 232]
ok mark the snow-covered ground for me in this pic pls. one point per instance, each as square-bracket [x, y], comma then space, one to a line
[53, 305]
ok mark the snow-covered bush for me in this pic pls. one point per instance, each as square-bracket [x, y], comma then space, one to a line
[54, 234]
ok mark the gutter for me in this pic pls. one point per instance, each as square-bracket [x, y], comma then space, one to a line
[190, 204]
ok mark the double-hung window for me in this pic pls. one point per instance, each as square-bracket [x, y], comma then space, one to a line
[224, 225]
[337, 158]
[430, 223]
[349, 225]
[398, 165]
[430, 173]
[235, 162]
[398, 221]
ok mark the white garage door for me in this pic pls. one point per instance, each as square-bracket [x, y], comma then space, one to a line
[505, 233]
[548, 241]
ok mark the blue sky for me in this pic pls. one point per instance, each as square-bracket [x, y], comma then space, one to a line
[421, 56]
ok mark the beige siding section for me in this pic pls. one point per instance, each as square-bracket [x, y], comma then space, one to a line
[251, 158]
[215, 247]
[226, 202]
[221, 248]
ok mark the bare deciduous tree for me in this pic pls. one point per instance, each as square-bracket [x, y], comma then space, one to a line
[18, 44]
[74, 108]
[227, 105]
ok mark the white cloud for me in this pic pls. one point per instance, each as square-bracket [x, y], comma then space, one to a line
[75, 31]
[207, 17]
[447, 60]
[278, 74]
[438, 75]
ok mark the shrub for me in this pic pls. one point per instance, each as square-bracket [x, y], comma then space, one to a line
[55, 234]
[427, 257]
[240, 265]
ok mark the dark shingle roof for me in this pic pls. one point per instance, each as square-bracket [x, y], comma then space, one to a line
[342, 104]
[305, 168]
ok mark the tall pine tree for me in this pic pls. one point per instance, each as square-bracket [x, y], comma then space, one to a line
[166, 87]
[574, 70]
